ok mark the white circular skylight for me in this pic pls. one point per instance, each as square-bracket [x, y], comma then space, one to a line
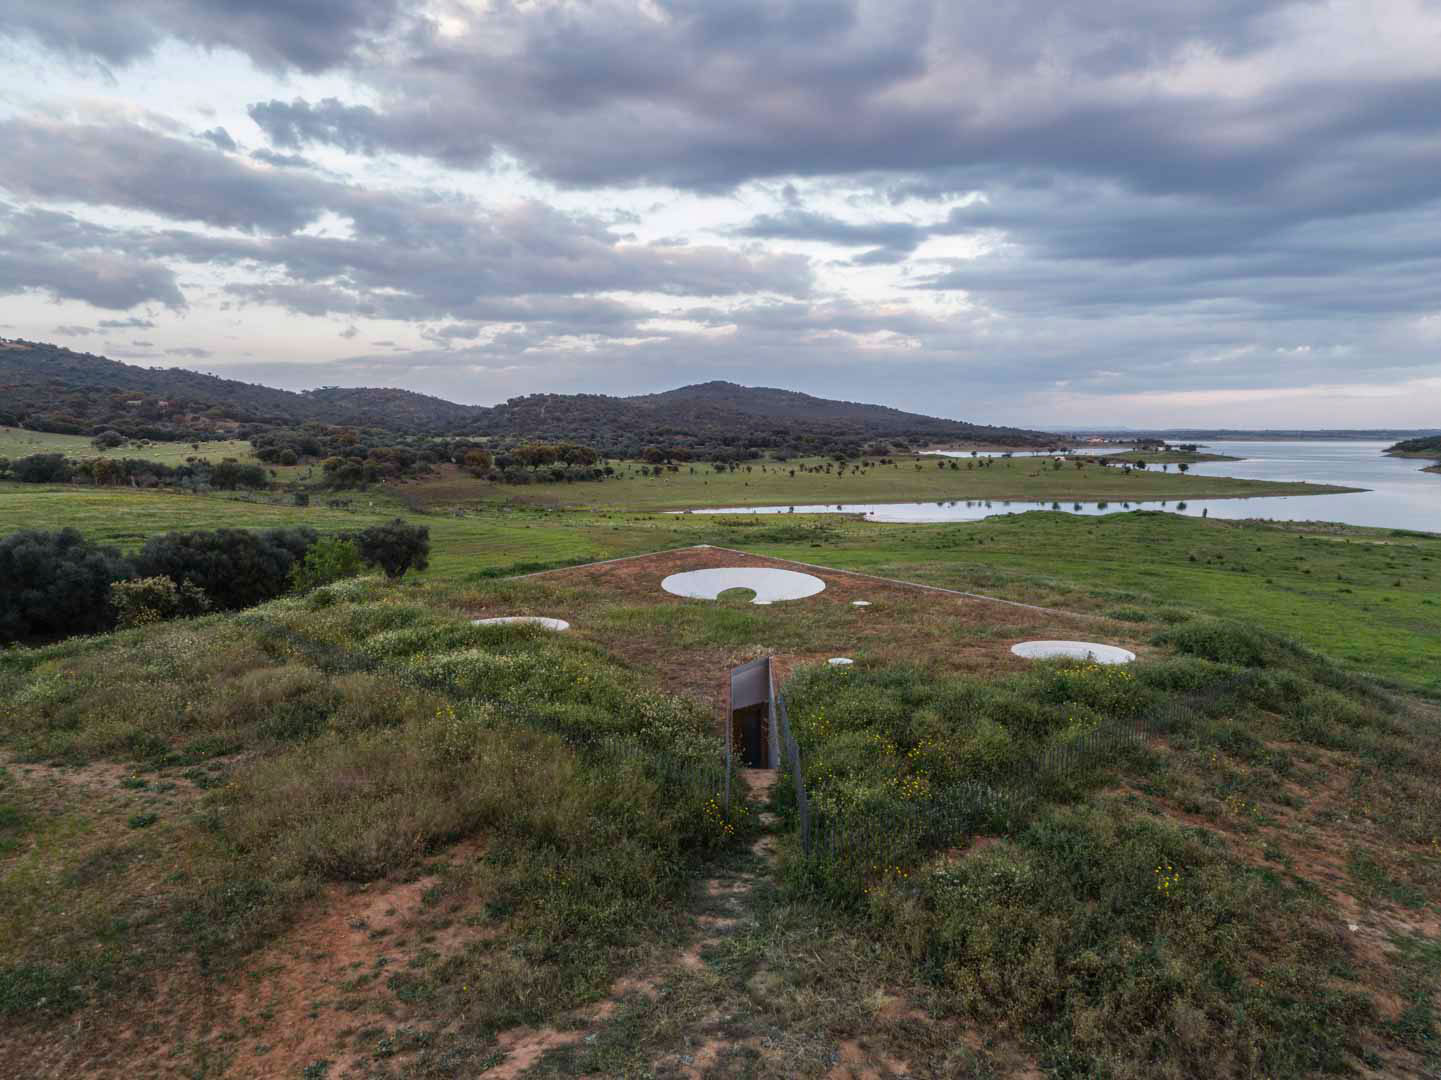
[533, 620]
[767, 583]
[1073, 650]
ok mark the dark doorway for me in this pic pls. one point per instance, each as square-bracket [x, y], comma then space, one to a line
[749, 702]
[750, 728]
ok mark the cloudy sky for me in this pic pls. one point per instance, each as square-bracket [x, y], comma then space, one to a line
[1043, 212]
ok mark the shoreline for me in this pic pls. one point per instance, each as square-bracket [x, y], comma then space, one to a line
[743, 507]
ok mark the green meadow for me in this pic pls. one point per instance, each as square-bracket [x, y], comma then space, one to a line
[19, 442]
[1368, 598]
[772, 484]
[350, 833]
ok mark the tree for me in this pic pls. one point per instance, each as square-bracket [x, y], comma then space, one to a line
[56, 583]
[535, 454]
[42, 469]
[106, 472]
[479, 462]
[236, 568]
[107, 440]
[1184, 467]
[395, 547]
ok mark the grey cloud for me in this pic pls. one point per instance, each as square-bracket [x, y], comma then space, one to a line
[794, 224]
[359, 129]
[131, 323]
[220, 138]
[415, 255]
[56, 254]
[129, 166]
[282, 161]
[72, 330]
[188, 352]
[311, 35]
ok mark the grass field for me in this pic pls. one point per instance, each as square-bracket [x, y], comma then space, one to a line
[18, 442]
[771, 484]
[1368, 598]
[464, 546]
[226, 851]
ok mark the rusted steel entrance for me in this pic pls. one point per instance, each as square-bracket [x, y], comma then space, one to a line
[750, 708]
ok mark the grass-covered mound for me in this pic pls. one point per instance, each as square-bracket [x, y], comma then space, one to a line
[178, 795]
[1255, 892]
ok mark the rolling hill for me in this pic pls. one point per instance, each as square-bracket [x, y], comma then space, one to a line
[49, 388]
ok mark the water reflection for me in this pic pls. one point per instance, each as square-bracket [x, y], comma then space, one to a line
[1400, 496]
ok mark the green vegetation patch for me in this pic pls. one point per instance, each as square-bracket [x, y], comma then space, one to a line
[1087, 919]
[359, 736]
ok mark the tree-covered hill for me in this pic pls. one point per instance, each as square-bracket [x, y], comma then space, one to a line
[1426, 446]
[721, 414]
[49, 388]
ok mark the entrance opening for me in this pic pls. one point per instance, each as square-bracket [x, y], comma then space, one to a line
[751, 715]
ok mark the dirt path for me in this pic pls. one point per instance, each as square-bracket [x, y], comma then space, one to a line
[757, 992]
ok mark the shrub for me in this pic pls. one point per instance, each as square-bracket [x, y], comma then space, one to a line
[478, 462]
[395, 547]
[234, 567]
[328, 561]
[229, 475]
[1225, 642]
[146, 600]
[56, 583]
[107, 440]
[42, 469]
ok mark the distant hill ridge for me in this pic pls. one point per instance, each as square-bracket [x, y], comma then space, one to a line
[50, 388]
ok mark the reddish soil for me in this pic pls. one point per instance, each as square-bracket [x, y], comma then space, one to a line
[909, 623]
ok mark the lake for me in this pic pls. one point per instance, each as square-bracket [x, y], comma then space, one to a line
[1398, 496]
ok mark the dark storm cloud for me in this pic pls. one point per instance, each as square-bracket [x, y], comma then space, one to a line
[311, 35]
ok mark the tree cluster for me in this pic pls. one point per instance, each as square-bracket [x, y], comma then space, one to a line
[55, 584]
[195, 474]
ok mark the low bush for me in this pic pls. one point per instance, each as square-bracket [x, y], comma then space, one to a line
[139, 601]
[329, 560]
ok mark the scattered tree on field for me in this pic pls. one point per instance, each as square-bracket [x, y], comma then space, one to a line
[395, 547]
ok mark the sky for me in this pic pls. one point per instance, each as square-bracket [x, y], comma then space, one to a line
[1122, 212]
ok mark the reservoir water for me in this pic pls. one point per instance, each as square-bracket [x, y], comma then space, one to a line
[1399, 494]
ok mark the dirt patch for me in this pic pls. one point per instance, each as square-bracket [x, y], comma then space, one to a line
[291, 1004]
[903, 622]
[348, 945]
